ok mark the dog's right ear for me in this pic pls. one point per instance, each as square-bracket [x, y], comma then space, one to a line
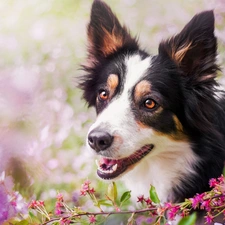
[105, 33]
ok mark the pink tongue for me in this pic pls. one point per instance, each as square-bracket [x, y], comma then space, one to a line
[108, 162]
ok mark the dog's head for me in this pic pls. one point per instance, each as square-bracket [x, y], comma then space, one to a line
[147, 106]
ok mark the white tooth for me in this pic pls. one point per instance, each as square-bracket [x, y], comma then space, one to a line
[114, 168]
[104, 171]
[97, 163]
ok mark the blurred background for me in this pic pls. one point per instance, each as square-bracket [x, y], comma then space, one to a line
[43, 119]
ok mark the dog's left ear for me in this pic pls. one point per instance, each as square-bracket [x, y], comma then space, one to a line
[194, 48]
[105, 33]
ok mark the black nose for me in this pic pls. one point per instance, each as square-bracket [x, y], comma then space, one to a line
[99, 140]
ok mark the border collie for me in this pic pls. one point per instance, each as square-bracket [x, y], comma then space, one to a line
[161, 118]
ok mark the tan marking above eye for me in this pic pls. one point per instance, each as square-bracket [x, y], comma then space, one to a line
[112, 83]
[141, 89]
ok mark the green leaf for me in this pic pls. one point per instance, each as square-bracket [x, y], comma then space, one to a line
[23, 222]
[31, 215]
[188, 220]
[125, 197]
[55, 223]
[153, 195]
[112, 191]
[162, 220]
[105, 202]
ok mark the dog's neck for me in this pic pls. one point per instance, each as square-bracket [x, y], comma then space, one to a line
[164, 170]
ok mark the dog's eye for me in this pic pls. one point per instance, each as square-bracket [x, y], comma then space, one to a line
[103, 95]
[150, 104]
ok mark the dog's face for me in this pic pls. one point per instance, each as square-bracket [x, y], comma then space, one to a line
[135, 115]
[142, 101]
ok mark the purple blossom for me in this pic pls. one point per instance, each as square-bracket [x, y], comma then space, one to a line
[11, 203]
[4, 205]
[7, 210]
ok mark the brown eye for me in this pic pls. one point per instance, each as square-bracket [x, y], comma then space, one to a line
[103, 95]
[150, 104]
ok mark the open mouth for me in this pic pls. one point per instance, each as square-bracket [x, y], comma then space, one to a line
[112, 168]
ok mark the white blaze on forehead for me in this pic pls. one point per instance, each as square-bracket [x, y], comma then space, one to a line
[136, 68]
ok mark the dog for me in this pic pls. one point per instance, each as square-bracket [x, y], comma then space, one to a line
[161, 118]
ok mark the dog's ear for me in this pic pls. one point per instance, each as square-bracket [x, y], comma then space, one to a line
[194, 48]
[105, 33]
[106, 36]
[194, 52]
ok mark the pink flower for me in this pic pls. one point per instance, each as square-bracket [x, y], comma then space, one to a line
[83, 193]
[58, 211]
[34, 204]
[141, 199]
[85, 188]
[196, 200]
[85, 185]
[206, 205]
[58, 205]
[92, 191]
[58, 208]
[60, 197]
[209, 218]
[64, 221]
[213, 182]
[87, 182]
[168, 205]
[92, 219]
[221, 179]
[173, 212]
[148, 201]
[41, 203]
[117, 209]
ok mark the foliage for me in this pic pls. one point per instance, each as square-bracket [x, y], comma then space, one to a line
[150, 208]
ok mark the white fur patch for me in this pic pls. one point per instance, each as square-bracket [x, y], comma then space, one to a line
[163, 167]
[136, 68]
